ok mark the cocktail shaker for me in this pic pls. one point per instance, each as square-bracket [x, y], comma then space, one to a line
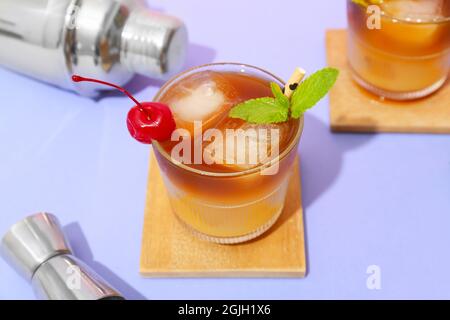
[37, 248]
[106, 39]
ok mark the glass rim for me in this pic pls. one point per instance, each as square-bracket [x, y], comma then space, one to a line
[256, 169]
[392, 18]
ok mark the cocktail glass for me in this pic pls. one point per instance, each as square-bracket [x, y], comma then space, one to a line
[227, 206]
[399, 49]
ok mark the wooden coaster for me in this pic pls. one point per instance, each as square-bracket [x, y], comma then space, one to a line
[356, 110]
[170, 250]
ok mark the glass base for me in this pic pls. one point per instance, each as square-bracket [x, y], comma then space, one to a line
[234, 240]
[400, 96]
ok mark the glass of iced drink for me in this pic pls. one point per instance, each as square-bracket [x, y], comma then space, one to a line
[399, 49]
[225, 197]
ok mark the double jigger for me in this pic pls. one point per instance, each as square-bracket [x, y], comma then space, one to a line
[37, 248]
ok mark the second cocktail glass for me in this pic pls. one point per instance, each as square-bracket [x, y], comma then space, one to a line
[399, 49]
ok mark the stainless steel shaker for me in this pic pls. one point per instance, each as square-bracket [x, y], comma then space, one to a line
[37, 248]
[106, 39]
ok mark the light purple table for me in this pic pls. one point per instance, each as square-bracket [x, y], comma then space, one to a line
[380, 200]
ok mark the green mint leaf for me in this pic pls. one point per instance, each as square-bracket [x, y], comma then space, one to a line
[279, 96]
[312, 90]
[260, 111]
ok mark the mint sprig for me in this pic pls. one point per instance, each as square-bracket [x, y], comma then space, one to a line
[280, 108]
[280, 98]
[312, 90]
[260, 111]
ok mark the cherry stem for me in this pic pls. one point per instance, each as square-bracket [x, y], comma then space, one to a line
[77, 78]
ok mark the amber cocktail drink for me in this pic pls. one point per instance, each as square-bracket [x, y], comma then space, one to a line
[399, 49]
[218, 197]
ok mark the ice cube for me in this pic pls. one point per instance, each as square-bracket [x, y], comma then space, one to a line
[200, 103]
[205, 96]
[242, 145]
[414, 38]
[415, 10]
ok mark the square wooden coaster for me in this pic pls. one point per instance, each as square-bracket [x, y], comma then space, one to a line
[356, 110]
[170, 250]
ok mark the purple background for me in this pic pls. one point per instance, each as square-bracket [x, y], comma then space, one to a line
[369, 199]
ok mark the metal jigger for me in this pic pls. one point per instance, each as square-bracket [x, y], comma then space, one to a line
[37, 248]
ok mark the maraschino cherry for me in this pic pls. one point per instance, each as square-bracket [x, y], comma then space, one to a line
[146, 121]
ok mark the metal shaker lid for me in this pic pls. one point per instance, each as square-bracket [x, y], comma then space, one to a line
[153, 44]
[32, 241]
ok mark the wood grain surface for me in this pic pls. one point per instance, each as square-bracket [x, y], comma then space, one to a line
[170, 250]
